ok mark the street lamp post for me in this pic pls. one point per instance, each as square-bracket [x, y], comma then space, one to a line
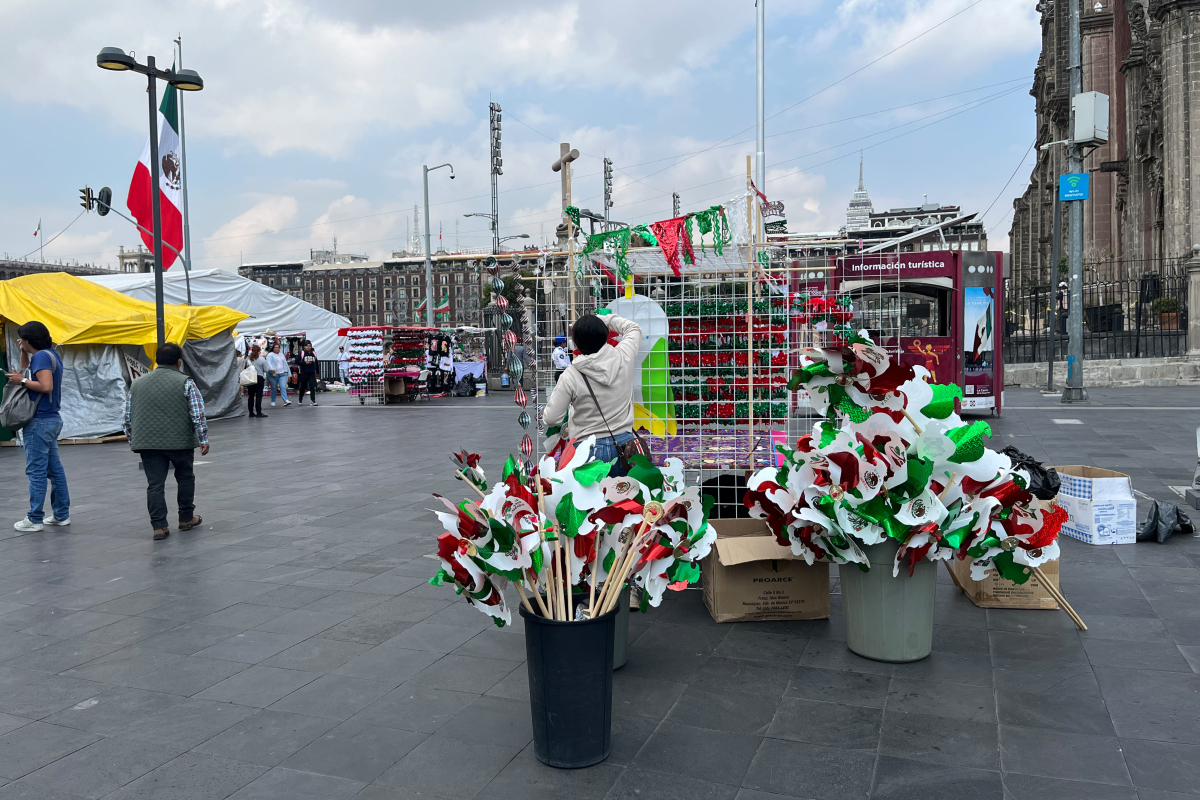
[117, 60]
[506, 238]
[425, 170]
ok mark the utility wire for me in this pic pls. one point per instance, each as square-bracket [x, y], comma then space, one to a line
[60, 233]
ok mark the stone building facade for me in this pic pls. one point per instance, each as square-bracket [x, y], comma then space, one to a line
[1144, 210]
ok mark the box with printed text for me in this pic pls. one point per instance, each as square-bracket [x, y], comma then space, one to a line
[1100, 505]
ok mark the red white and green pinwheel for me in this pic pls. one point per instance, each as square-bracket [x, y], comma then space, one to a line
[569, 536]
[892, 460]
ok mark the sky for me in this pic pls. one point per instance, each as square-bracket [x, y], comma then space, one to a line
[316, 117]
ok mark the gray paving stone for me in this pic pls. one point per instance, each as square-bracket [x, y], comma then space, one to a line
[191, 776]
[336, 697]
[251, 647]
[268, 737]
[62, 655]
[124, 665]
[828, 724]
[391, 665]
[708, 755]
[290, 784]
[1032, 787]
[940, 740]
[739, 712]
[415, 708]
[112, 710]
[103, 767]
[317, 655]
[424, 769]
[1167, 766]
[356, 751]
[43, 697]
[1069, 756]
[33, 746]
[302, 622]
[189, 638]
[901, 779]
[257, 686]
[796, 769]
[187, 676]
[188, 723]
[22, 790]
[526, 777]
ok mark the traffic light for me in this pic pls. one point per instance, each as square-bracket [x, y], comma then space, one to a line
[608, 183]
[87, 199]
[497, 160]
[103, 201]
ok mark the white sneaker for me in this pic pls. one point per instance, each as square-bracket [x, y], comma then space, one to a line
[272, 404]
[287, 402]
[28, 525]
[53, 521]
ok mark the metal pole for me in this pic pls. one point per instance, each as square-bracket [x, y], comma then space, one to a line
[761, 162]
[1052, 314]
[152, 95]
[428, 260]
[187, 231]
[1074, 391]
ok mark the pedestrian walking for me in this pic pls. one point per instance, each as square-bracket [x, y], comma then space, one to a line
[165, 423]
[560, 358]
[343, 365]
[254, 392]
[597, 387]
[40, 435]
[307, 363]
[277, 375]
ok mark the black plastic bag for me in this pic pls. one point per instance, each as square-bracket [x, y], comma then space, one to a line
[1043, 481]
[1162, 521]
[727, 491]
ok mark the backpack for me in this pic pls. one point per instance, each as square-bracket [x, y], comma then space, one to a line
[19, 406]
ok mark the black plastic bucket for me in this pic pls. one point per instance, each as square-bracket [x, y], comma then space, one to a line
[570, 688]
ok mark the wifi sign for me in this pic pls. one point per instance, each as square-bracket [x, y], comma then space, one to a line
[1073, 187]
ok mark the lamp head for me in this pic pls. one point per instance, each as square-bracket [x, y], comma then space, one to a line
[114, 58]
[187, 80]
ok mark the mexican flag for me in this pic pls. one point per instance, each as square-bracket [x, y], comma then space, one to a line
[420, 306]
[983, 334]
[441, 305]
[170, 183]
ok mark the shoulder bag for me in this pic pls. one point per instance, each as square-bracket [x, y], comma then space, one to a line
[19, 406]
[634, 447]
[248, 376]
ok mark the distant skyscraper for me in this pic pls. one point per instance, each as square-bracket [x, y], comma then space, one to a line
[858, 213]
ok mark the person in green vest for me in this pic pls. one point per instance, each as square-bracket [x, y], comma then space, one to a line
[165, 423]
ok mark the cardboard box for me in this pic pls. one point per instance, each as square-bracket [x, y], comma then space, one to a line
[749, 577]
[996, 592]
[1100, 505]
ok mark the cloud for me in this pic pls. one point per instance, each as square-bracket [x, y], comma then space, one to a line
[293, 75]
[241, 233]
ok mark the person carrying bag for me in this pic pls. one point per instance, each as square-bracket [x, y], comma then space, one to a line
[597, 390]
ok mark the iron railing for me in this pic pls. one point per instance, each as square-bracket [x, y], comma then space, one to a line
[1130, 310]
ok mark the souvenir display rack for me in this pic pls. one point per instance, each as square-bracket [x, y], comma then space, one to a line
[368, 361]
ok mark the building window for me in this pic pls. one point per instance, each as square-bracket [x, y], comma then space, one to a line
[388, 282]
[359, 295]
[360, 283]
[458, 278]
[320, 284]
[401, 293]
[387, 294]
[458, 290]
[271, 281]
[346, 297]
[373, 308]
[372, 286]
[387, 319]
[445, 291]
[346, 284]
[308, 284]
[444, 278]
[375, 318]
[373, 291]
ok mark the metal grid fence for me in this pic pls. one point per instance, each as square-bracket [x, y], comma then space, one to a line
[1130, 310]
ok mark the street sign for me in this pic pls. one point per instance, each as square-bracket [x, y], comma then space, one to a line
[1073, 186]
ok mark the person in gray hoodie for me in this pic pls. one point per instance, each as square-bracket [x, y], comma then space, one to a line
[608, 369]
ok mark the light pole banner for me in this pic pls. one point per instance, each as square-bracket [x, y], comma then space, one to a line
[170, 183]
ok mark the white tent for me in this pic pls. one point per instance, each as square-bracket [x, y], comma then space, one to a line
[268, 308]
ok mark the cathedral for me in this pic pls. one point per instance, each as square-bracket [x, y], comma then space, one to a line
[1143, 214]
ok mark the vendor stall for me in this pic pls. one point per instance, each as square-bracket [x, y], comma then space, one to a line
[406, 362]
[106, 339]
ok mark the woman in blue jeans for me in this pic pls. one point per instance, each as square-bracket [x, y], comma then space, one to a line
[40, 436]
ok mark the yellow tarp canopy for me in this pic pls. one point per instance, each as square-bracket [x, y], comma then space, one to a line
[81, 312]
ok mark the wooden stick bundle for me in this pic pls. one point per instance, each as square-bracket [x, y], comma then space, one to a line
[1058, 598]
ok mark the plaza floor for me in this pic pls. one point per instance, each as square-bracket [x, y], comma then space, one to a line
[290, 647]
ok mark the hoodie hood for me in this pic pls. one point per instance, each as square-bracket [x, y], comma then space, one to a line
[601, 367]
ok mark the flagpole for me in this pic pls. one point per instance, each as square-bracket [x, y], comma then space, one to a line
[187, 232]
[152, 95]
[41, 240]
